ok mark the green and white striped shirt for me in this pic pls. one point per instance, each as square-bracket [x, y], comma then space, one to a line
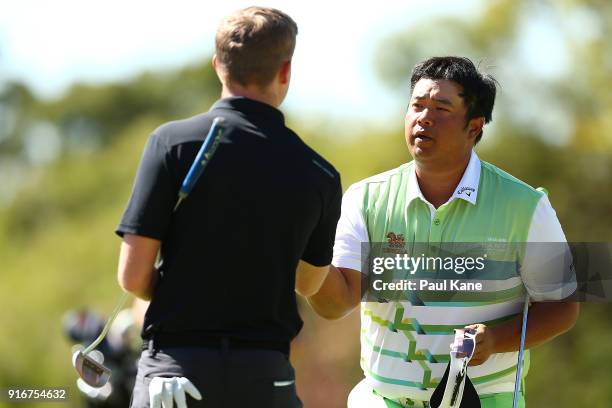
[405, 344]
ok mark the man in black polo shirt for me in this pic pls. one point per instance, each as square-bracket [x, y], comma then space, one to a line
[258, 226]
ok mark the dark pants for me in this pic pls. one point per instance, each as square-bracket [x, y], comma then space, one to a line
[226, 379]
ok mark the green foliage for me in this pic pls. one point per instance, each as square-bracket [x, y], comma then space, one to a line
[63, 260]
[59, 252]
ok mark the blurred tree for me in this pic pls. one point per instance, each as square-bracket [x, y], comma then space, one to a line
[84, 122]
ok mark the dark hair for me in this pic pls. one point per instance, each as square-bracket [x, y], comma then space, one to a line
[478, 89]
[251, 44]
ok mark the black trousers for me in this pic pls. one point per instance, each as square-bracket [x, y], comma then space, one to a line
[225, 378]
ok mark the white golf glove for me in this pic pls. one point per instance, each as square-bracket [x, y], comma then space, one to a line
[100, 394]
[164, 391]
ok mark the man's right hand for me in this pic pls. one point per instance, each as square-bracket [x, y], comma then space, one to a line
[339, 294]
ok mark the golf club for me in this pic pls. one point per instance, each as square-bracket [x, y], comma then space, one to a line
[519, 369]
[90, 366]
[455, 389]
[209, 147]
[517, 381]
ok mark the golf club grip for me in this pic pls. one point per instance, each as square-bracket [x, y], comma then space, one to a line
[203, 157]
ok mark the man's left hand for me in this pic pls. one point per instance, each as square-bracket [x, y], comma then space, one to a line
[164, 391]
[485, 343]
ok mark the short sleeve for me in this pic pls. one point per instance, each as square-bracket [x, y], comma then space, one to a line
[351, 231]
[154, 194]
[547, 269]
[318, 251]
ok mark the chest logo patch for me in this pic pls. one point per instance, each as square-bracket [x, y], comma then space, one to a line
[395, 241]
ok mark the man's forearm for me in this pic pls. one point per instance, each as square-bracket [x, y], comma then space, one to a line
[339, 294]
[145, 292]
[136, 271]
[546, 320]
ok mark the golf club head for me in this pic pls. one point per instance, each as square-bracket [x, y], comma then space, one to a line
[459, 391]
[91, 371]
[464, 344]
[470, 398]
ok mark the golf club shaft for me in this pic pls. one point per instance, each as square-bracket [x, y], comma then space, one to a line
[517, 381]
[519, 369]
[108, 324]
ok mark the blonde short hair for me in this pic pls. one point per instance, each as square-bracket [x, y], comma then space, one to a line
[252, 44]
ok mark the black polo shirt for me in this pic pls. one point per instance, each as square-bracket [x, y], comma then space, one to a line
[230, 251]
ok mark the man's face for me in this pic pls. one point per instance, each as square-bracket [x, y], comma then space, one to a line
[435, 126]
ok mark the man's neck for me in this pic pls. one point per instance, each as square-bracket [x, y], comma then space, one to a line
[438, 185]
[250, 92]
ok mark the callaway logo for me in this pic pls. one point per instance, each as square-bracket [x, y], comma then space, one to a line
[467, 190]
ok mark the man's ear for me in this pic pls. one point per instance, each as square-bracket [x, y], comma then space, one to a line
[218, 68]
[285, 72]
[475, 126]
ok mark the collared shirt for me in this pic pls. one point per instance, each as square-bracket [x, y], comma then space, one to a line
[405, 344]
[230, 251]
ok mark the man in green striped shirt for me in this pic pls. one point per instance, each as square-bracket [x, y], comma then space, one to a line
[448, 195]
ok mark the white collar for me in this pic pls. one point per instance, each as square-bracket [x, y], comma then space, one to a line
[467, 189]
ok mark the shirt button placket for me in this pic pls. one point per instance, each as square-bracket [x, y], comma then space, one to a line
[435, 233]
